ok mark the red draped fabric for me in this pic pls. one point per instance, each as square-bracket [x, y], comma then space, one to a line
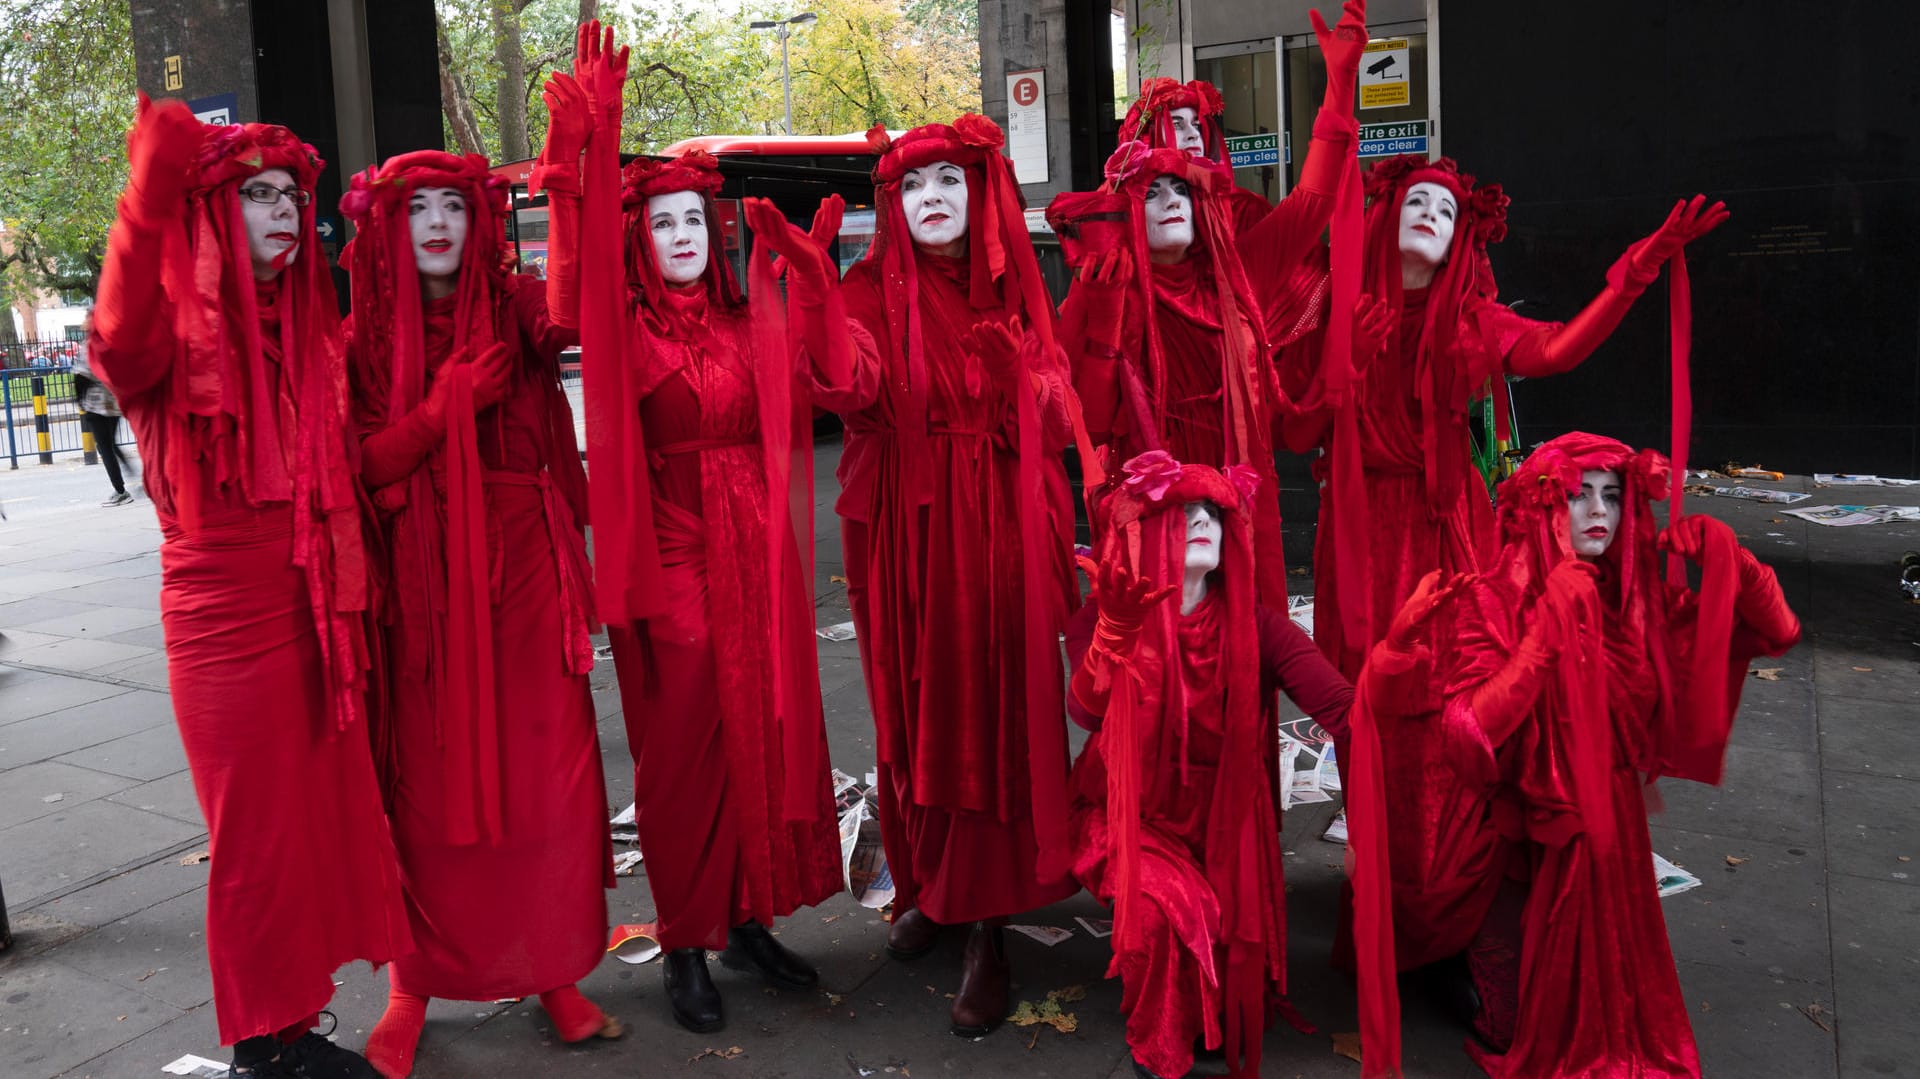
[237, 393]
[521, 910]
[728, 739]
[937, 580]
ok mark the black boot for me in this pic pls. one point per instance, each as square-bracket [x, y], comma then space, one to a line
[696, 1003]
[751, 947]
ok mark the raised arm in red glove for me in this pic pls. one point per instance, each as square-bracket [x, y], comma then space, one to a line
[1760, 604]
[388, 455]
[1399, 670]
[130, 324]
[569, 122]
[1124, 600]
[1550, 351]
[1502, 701]
[1092, 325]
[814, 302]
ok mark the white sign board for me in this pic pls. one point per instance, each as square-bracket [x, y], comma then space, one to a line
[1027, 125]
[1386, 74]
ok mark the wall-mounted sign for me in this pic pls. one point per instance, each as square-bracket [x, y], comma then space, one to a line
[1251, 151]
[1385, 140]
[218, 110]
[1027, 125]
[175, 72]
[1386, 74]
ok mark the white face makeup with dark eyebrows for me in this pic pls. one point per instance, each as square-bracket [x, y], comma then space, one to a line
[1169, 218]
[677, 221]
[1186, 131]
[1426, 222]
[273, 228]
[1593, 515]
[934, 199]
[1203, 537]
[437, 219]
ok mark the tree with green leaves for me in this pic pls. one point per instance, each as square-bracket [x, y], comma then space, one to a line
[66, 95]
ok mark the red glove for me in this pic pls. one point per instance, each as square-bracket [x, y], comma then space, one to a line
[569, 120]
[1125, 599]
[997, 344]
[807, 259]
[1409, 629]
[1341, 47]
[162, 146]
[1372, 325]
[602, 73]
[826, 226]
[1689, 220]
[1103, 281]
[1502, 701]
[387, 456]
[1760, 604]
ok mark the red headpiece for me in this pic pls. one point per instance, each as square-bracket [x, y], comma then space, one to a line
[644, 178]
[1150, 117]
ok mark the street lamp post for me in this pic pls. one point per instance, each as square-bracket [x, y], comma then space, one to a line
[784, 29]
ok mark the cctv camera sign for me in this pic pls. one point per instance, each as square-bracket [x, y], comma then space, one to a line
[1386, 74]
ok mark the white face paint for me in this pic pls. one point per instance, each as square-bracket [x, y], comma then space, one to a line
[1426, 223]
[1186, 131]
[678, 223]
[437, 217]
[934, 198]
[1169, 218]
[273, 228]
[1203, 538]
[1593, 515]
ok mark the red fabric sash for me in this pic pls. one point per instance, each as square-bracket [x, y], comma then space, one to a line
[1370, 871]
[469, 725]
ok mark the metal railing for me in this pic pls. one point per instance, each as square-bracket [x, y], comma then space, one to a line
[41, 417]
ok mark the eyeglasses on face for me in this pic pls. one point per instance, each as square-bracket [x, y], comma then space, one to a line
[267, 194]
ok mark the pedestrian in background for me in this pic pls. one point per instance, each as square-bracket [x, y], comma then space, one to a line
[100, 411]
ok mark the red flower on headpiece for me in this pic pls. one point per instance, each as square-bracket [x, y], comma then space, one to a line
[1385, 176]
[1126, 160]
[1207, 95]
[1151, 474]
[1246, 480]
[1488, 205]
[976, 130]
[879, 139]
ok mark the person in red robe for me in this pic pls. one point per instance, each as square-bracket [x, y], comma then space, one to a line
[1574, 676]
[485, 723]
[217, 327]
[957, 524]
[700, 443]
[1173, 817]
[1402, 498]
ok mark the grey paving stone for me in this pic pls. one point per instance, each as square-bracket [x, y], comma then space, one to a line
[46, 582]
[81, 654]
[145, 755]
[142, 565]
[1872, 822]
[1875, 737]
[160, 951]
[57, 851]
[171, 795]
[77, 560]
[155, 881]
[1880, 669]
[27, 694]
[142, 1058]
[104, 622]
[54, 733]
[27, 609]
[149, 672]
[24, 791]
[56, 1018]
[1767, 915]
[152, 636]
[1752, 1026]
[1876, 960]
[1768, 795]
[141, 592]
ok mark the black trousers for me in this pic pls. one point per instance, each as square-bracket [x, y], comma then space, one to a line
[106, 430]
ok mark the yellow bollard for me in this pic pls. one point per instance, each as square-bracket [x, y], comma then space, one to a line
[41, 433]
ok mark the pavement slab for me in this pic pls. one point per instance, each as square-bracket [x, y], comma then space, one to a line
[29, 694]
[94, 723]
[70, 848]
[44, 787]
[58, 1018]
[1877, 962]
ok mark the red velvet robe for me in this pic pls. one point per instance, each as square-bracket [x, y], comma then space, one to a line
[527, 913]
[1172, 992]
[304, 877]
[936, 597]
[711, 774]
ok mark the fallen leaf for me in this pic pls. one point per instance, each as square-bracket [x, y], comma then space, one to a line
[1069, 994]
[1863, 670]
[147, 975]
[1298, 571]
[1775, 521]
[1767, 674]
[728, 1053]
[197, 857]
[1347, 1045]
[1049, 1011]
[835, 578]
[834, 999]
[122, 1019]
[830, 919]
[1817, 1013]
[1731, 860]
[1904, 857]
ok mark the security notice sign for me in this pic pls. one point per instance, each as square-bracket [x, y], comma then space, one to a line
[1386, 74]
[1027, 125]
